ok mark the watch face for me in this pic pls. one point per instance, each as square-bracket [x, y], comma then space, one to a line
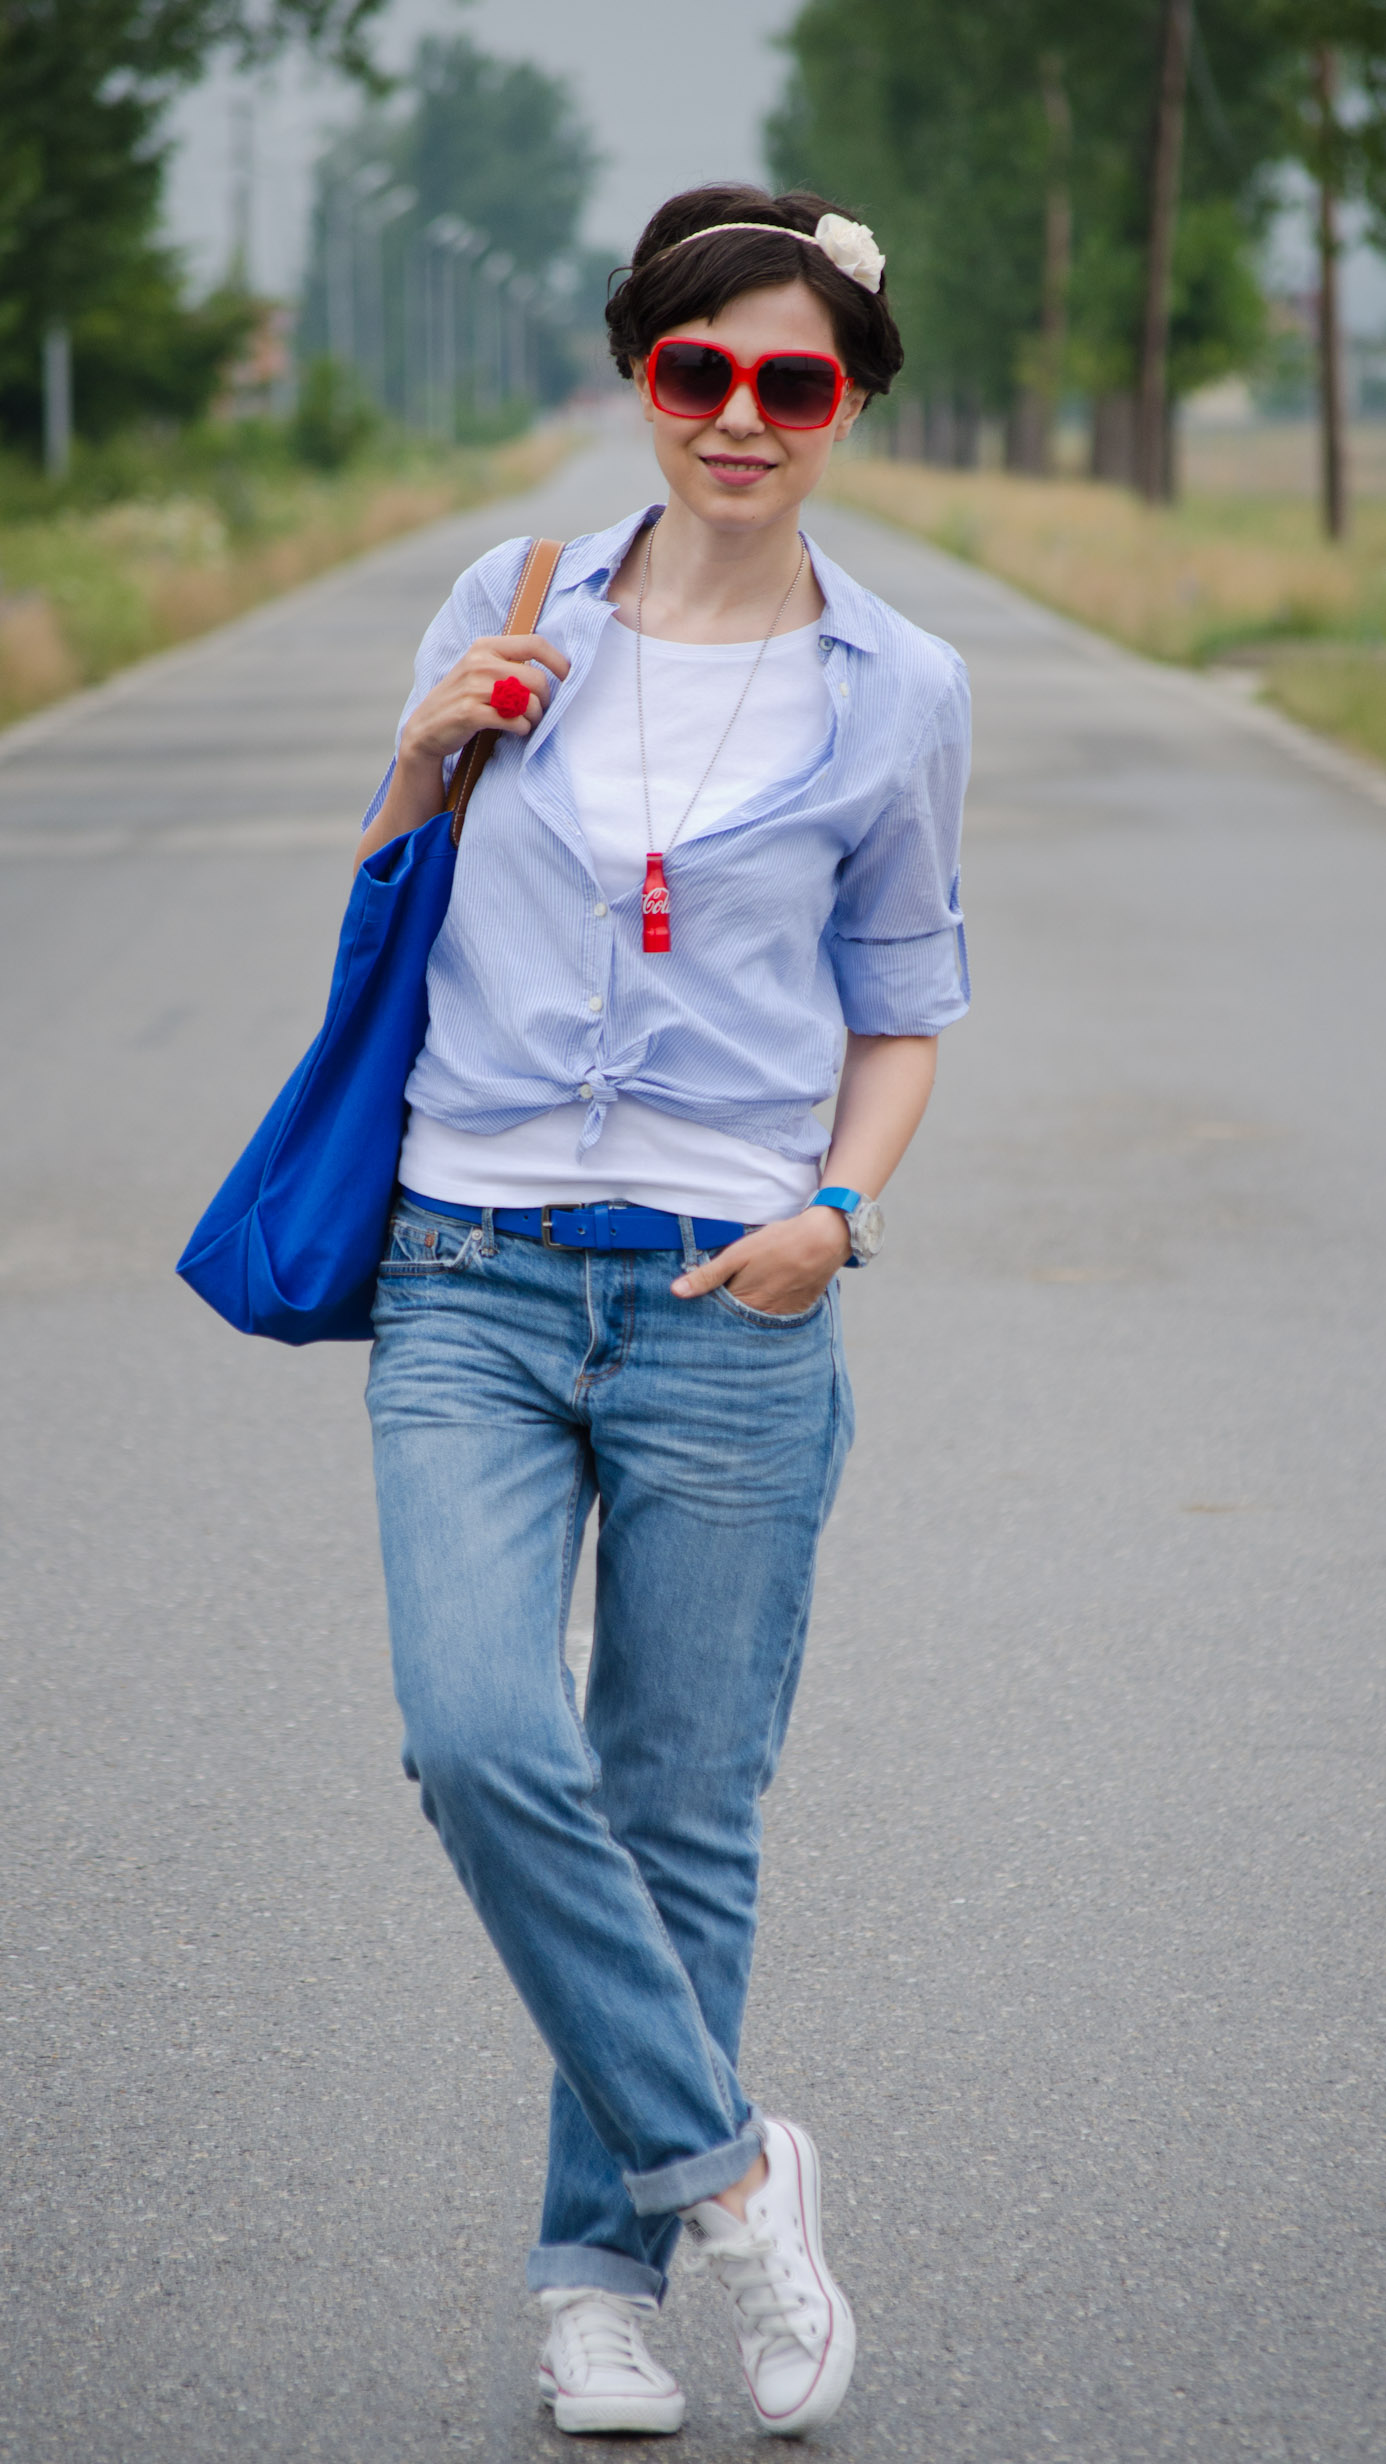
[868, 1229]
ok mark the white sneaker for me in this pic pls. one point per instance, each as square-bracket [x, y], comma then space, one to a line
[796, 2333]
[594, 2369]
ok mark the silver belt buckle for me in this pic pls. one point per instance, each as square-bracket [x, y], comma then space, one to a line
[601, 1208]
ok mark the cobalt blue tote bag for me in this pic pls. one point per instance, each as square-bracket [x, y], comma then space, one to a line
[292, 1241]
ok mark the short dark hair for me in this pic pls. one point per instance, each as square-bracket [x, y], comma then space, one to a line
[661, 291]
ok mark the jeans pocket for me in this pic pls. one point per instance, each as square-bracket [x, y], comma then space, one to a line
[772, 1320]
[414, 1249]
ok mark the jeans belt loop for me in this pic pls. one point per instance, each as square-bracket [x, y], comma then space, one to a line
[488, 1232]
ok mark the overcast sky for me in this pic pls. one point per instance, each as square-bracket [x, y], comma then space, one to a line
[672, 96]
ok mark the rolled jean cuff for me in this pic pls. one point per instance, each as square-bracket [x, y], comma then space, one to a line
[682, 2184]
[551, 2264]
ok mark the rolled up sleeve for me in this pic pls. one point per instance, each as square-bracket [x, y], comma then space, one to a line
[895, 936]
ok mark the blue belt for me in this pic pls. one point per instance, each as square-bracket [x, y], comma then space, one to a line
[606, 1225]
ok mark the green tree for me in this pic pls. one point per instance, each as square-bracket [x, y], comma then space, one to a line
[498, 143]
[83, 88]
[1006, 154]
[491, 164]
[912, 112]
[1335, 124]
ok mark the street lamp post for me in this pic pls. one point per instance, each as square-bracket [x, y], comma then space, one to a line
[341, 275]
[455, 244]
[363, 185]
[496, 270]
[375, 220]
[523, 290]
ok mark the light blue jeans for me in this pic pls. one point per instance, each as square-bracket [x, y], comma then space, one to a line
[613, 1860]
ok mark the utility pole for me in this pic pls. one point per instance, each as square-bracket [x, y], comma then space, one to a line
[1152, 473]
[242, 190]
[340, 238]
[57, 401]
[1331, 439]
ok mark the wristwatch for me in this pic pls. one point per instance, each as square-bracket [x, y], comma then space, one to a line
[865, 1222]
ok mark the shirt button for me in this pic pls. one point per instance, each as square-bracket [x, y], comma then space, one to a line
[843, 691]
[825, 641]
[586, 1094]
[600, 908]
[594, 1001]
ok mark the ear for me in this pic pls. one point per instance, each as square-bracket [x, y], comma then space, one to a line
[641, 383]
[851, 408]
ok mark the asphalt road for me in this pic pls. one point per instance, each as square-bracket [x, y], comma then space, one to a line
[1072, 1933]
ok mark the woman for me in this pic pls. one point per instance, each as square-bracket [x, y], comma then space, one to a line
[722, 826]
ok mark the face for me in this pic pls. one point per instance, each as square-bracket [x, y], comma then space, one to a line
[737, 471]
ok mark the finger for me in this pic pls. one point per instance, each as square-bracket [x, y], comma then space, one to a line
[696, 1280]
[534, 678]
[534, 647]
[522, 724]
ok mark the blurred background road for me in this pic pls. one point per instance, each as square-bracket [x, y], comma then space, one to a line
[1072, 1931]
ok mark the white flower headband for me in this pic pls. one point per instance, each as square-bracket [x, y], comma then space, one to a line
[849, 245]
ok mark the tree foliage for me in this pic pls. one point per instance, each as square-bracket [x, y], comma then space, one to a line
[83, 88]
[932, 120]
[499, 143]
[495, 145]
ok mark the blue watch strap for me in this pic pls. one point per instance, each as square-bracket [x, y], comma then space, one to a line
[846, 1202]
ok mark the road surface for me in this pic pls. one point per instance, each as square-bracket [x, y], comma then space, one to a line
[1073, 1923]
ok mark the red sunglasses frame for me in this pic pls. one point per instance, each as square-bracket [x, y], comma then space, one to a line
[745, 373]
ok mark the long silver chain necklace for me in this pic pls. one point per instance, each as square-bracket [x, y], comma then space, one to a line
[654, 904]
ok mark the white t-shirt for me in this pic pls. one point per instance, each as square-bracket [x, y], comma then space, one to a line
[645, 1157]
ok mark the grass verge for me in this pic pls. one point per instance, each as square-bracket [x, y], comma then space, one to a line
[86, 590]
[1218, 576]
[1336, 687]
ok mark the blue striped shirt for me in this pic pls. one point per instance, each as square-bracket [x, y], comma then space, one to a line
[828, 899]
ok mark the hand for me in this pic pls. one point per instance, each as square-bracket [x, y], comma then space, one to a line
[459, 707]
[783, 1268]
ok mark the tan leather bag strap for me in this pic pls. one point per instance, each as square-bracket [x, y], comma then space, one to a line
[531, 591]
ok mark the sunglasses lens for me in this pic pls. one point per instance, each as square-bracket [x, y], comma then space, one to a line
[691, 379]
[797, 392]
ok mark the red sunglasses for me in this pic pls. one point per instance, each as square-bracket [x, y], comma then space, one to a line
[793, 389]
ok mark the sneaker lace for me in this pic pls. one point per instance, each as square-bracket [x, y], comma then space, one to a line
[759, 2283]
[607, 2332]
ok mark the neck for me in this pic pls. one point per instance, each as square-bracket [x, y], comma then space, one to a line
[703, 577]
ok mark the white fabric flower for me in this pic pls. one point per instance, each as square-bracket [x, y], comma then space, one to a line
[852, 247]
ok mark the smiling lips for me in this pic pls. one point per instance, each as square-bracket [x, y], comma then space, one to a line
[741, 470]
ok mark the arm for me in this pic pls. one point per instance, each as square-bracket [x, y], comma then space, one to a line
[448, 718]
[886, 1083]
[898, 959]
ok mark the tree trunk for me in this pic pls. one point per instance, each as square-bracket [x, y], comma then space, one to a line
[967, 431]
[1114, 439]
[1331, 440]
[939, 431]
[1164, 215]
[909, 430]
[1058, 253]
[1027, 434]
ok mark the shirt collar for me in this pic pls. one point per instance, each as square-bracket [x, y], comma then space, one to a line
[849, 612]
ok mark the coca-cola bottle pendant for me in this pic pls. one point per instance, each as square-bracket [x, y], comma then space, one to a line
[654, 905]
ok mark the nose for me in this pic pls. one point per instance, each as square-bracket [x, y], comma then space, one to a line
[740, 413]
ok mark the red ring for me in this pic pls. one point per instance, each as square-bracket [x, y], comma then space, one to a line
[509, 697]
